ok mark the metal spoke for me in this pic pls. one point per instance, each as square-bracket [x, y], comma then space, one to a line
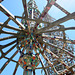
[68, 17]
[41, 63]
[4, 46]
[40, 35]
[7, 62]
[46, 9]
[10, 27]
[5, 23]
[6, 38]
[62, 9]
[55, 46]
[48, 61]
[6, 32]
[17, 65]
[59, 39]
[25, 8]
[26, 12]
[63, 29]
[4, 54]
[6, 12]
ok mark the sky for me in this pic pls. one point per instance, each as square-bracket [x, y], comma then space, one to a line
[16, 8]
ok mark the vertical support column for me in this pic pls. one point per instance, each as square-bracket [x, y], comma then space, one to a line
[33, 72]
[27, 72]
[32, 9]
[32, 15]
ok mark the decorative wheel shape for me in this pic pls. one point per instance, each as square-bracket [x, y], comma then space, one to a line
[39, 35]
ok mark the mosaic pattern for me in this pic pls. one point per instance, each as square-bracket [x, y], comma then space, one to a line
[29, 62]
[39, 34]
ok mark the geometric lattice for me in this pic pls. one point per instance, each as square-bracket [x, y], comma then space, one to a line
[38, 35]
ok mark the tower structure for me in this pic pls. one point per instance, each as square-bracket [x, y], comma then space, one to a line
[29, 60]
[39, 35]
[61, 44]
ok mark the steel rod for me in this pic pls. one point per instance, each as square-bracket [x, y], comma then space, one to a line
[57, 22]
[7, 13]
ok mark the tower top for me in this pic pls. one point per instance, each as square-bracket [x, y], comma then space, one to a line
[32, 3]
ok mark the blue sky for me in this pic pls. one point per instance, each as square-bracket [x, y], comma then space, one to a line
[16, 8]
